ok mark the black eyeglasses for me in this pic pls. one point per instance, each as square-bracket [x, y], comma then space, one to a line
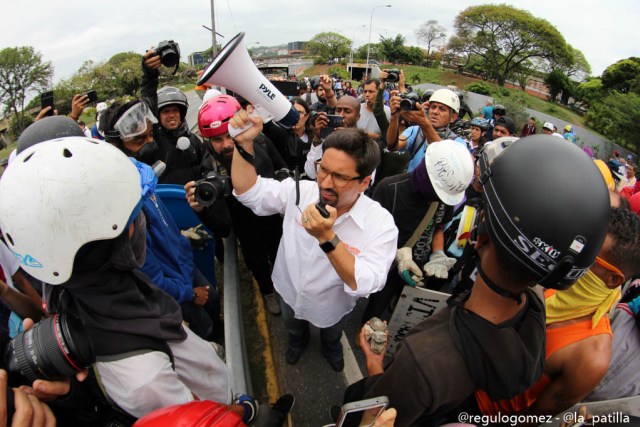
[339, 180]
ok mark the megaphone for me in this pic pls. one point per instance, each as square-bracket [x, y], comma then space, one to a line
[233, 68]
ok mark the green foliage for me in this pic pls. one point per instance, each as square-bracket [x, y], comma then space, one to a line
[506, 37]
[22, 72]
[516, 105]
[623, 76]
[329, 45]
[558, 82]
[394, 50]
[340, 71]
[479, 87]
[361, 53]
[16, 126]
[591, 91]
[616, 117]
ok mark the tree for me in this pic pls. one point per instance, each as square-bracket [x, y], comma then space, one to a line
[392, 47]
[506, 37]
[22, 72]
[623, 75]
[432, 34]
[558, 83]
[616, 117]
[329, 45]
[591, 91]
[361, 53]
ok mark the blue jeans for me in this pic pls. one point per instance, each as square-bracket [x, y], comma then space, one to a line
[298, 330]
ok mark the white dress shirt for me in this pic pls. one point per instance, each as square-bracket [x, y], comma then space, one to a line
[302, 274]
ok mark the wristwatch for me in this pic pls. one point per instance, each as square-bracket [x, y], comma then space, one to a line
[330, 245]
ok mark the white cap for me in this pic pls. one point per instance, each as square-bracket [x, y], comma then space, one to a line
[548, 125]
[450, 168]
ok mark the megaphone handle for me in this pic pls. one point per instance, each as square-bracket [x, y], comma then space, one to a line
[258, 111]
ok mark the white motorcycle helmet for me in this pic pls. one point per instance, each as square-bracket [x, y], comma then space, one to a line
[450, 169]
[446, 97]
[61, 194]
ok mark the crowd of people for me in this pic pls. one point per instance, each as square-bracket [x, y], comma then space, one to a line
[360, 198]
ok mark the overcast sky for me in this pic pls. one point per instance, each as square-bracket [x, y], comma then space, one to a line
[69, 32]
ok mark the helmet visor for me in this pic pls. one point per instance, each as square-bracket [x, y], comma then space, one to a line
[134, 121]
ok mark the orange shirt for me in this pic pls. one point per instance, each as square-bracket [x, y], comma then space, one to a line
[557, 338]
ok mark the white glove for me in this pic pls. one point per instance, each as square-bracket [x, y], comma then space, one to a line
[404, 257]
[439, 265]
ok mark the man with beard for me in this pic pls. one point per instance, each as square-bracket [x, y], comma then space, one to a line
[326, 260]
[259, 236]
[322, 86]
[177, 147]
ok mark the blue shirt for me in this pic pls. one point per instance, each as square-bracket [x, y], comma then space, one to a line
[411, 133]
[487, 112]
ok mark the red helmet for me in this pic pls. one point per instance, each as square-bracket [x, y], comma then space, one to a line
[213, 117]
[198, 413]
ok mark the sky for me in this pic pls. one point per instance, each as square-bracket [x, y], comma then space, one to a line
[69, 32]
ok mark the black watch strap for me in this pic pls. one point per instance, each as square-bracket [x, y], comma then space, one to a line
[330, 245]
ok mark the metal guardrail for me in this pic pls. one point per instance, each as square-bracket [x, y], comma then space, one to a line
[235, 348]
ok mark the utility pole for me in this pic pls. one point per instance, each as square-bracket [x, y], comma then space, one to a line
[214, 49]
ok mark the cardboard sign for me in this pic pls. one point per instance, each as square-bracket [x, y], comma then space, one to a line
[414, 306]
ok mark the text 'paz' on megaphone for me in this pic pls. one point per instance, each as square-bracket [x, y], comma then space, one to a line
[233, 68]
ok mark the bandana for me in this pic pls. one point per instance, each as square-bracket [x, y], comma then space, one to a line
[588, 295]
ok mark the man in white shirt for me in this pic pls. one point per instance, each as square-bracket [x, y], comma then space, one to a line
[367, 120]
[324, 264]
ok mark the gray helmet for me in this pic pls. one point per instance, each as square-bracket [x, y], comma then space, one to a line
[499, 107]
[47, 128]
[170, 95]
[426, 95]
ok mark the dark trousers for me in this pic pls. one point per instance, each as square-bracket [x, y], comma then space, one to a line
[204, 320]
[298, 331]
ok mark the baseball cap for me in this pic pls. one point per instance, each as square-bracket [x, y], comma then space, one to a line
[548, 125]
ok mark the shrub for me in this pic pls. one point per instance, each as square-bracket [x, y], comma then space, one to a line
[479, 87]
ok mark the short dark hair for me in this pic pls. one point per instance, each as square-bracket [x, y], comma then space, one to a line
[81, 123]
[357, 144]
[369, 81]
[110, 116]
[624, 252]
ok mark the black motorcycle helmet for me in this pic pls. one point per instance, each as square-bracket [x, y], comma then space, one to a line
[47, 128]
[547, 207]
[426, 95]
[500, 110]
[170, 95]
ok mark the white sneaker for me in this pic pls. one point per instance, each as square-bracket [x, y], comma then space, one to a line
[271, 301]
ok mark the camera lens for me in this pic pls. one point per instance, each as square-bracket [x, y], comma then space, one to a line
[206, 193]
[407, 104]
[169, 58]
[393, 77]
[55, 348]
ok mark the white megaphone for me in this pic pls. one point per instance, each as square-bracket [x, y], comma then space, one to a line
[233, 68]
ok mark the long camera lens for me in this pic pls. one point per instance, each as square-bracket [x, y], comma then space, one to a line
[54, 349]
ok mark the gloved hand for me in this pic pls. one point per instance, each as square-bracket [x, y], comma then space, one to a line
[407, 268]
[439, 265]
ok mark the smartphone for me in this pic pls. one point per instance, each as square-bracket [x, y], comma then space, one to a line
[335, 121]
[362, 413]
[92, 95]
[46, 100]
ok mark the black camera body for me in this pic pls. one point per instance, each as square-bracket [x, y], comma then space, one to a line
[393, 75]
[169, 52]
[408, 101]
[282, 174]
[211, 188]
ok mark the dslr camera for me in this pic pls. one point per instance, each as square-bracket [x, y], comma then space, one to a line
[54, 349]
[408, 101]
[211, 188]
[169, 53]
[393, 75]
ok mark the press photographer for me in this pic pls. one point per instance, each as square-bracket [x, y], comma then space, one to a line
[259, 236]
[178, 148]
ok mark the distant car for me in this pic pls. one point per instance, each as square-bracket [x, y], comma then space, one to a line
[373, 62]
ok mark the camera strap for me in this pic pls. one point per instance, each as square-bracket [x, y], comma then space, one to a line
[245, 155]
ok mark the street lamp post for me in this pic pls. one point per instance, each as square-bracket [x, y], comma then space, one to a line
[370, 23]
[353, 40]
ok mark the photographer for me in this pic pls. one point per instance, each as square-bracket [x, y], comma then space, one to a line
[442, 111]
[258, 236]
[169, 104]
[323, 88]
[368, 121]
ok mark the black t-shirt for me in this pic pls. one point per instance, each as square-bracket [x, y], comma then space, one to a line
[408, 208]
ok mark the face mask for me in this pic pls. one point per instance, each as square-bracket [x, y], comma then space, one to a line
[148, 153]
